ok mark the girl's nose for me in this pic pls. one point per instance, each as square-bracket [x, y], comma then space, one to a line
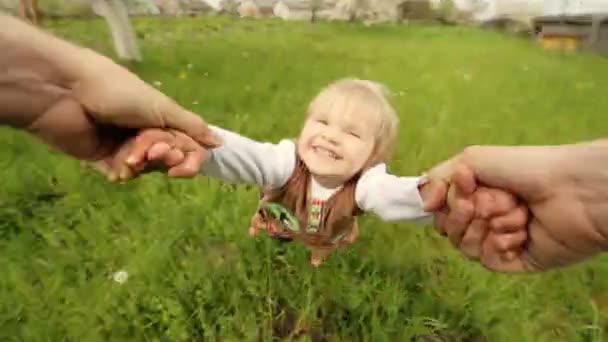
[330, 135]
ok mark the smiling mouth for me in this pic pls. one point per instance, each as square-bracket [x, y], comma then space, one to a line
[326, 152]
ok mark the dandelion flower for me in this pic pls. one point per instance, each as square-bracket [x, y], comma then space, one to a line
[120, 277]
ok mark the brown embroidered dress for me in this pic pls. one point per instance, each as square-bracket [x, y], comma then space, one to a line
[290, 212]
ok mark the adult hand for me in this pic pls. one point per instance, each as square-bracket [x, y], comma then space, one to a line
[92, 122]
[564, 187]
[123, 100]
[83, 103]
[465, 221]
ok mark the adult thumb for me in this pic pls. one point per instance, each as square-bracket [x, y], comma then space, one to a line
[522, 170]
[176, 117]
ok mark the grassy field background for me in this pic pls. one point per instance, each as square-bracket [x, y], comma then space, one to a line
[194, 274]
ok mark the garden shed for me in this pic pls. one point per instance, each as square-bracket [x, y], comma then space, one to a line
[573, 32]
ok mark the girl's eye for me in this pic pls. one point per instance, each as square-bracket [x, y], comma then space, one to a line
[322, 121]
[354, 135]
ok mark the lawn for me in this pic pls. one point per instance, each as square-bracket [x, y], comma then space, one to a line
[194, 274]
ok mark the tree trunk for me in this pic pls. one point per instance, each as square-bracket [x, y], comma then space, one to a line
[28, 9]
[116, 15]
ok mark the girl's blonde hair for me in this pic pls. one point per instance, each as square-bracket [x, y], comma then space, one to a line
[356, 97]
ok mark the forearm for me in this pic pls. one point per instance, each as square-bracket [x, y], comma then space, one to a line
[392, 198]
[243, 160]
[36, 69]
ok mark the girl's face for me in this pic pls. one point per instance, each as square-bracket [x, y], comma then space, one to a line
[335, 146]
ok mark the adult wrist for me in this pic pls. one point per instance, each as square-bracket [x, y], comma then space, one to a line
[586, 168]
[585, 162]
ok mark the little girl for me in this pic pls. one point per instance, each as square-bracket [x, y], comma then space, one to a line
[315, 187]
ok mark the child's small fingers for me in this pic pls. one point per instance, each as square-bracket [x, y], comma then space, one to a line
[194, 156]
[515, 220]
[158, 151]
[461, 215]
[494, 202]
[173, 158]
[138, 153]
[506, 242]
[462, 187]
[504, 200]
[190, 166]
[464, 179]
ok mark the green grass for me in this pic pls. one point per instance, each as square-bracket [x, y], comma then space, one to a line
[195, 274]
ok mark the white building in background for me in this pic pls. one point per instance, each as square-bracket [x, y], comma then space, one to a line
[264, 7]
[216, 5]
[511, 8]
[575, 7]
[302, 9]
[483, 10]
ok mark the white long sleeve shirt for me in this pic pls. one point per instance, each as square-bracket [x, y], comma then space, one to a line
[243, 160]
